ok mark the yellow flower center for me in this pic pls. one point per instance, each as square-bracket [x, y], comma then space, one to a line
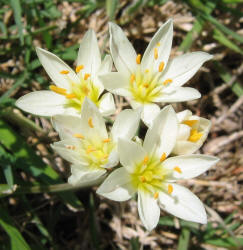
[145, 85]
[150, 176]
[93, 149]
[195, 135]
[78, 91]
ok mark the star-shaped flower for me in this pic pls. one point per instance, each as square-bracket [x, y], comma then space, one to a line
[193, 131]
[70, 88]
[148, 171]
[86, 143]
[151, 79]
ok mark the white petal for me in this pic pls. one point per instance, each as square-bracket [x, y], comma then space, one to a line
[84, 175]
[72, 156]
[148, 209]
[107, 105]
[181, 94]
[184, 115]
[67, 125]
[126, 124]
[185, 148]
[43, 103]
[113, 160]
[191, 165]
[116, 83]
[90, 112]
[130, 153]
[164, 37]
[161, 137]
[150, 111]
[183, 132]
[117, 186]
[89, 54]
[184, 204]
[182, 68]
[53, 65]
[122, 51]
[105, 67]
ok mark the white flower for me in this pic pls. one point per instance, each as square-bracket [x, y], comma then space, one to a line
[87, 145]
[147, 171]
[70, 89]
[152, 79]
[193, 131]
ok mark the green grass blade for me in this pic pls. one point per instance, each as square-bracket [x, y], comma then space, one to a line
[16, 6]
[184, 239]
[111, 7]
[16, 239]
[221, 38]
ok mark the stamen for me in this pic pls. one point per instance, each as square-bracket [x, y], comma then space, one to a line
[79, 136]
[156, 195]
[167, 81]
[138, 59]
[70, 147]
[194, 135]
[161, 66]
[58, 90]
[90, 149]
[145, 160]
[170, 189]
[105, 156]
[90, 122]
[158, 44]
[78, 68]
[190, 123]
[64, 72]
[85, 90]
[146, 70]
[163, 157]
[146, 85]
[177, 169]
[70, 96]
[155, 53]
[86, 76]
[107, 140]
[132, 78]
[142, 179]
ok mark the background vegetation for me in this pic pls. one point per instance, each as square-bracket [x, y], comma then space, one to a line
[37, 209]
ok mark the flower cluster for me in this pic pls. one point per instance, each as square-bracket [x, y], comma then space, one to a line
[125, 163]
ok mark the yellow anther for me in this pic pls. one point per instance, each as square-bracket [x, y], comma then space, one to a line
[163, 157]
[79, 136]
[132, 78]
[194, 135]
[78, 68]
[167, 81]
[155, 53]
[161, 66]
[107, 140]
[58, 90]
[190, 123]
[146, 70]
[90, 149]
[105, 156]
[177, 169]
[146, 85]
[70, 96]
[145, 160]
[156, 195]
[158, 44]
[70, 147]
[170, 189]
[90, 122]
[138, 59]
[64, 72]
[86, 76]
[142, 179]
